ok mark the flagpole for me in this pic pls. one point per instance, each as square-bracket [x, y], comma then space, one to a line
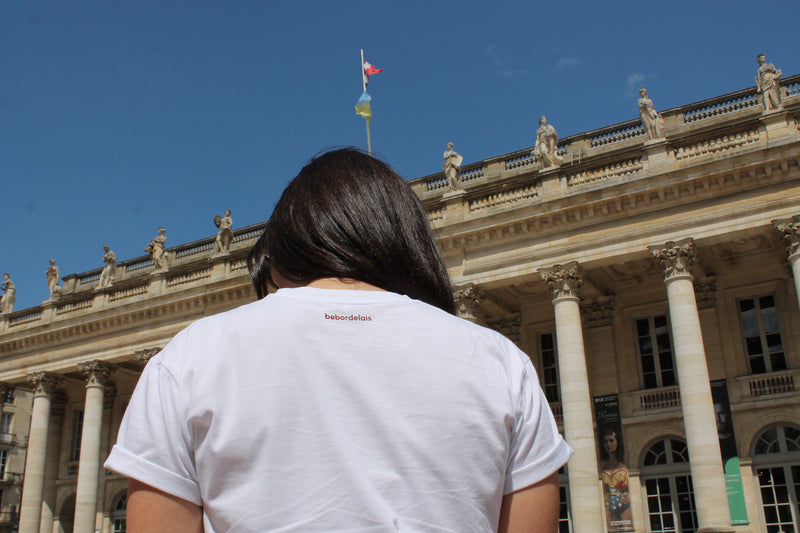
[363, 77]
[364, 87]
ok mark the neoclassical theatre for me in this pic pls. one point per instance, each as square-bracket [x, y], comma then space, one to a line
[649, 268]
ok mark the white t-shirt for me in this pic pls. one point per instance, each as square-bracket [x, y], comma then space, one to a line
[338, 410]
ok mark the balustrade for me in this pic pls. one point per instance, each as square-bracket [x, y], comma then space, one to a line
[503, 198]
[189, 277]
[611, 170]
[758, 386]
[25, 317]
[649, 400]
[139, 265]
[128, 292]
[731, 141]
[624, 132]
[71, 307]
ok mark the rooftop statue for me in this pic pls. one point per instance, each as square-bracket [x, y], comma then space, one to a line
[222, 244]
[546, 145]
[653, 122]
[451, 166]
[9, 296]
[157, 250]
[767, 83]
[107, 275]
[52, 274]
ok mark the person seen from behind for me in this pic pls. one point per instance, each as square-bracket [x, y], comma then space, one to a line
[351, 399]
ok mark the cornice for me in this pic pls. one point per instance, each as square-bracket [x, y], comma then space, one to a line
[642, 196]
[124, 318]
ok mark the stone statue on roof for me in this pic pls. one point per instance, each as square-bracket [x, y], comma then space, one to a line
[222, 244]
[451, 167]
[107, 275]
[157, 249]
[767, 83]
[652, 122]
[52, 274]
[547, 145]
[9, 295]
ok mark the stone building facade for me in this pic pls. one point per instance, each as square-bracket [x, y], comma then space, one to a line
[642, 275]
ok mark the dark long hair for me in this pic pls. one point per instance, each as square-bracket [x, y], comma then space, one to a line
[349, 215]
[258, 266]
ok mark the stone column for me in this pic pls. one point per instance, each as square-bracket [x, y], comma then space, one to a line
[586, 496]
[33, 485]
[790, 229]
[705, 461]
[58, 404]
[96, 373]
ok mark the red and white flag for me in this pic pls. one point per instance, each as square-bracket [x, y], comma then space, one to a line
[367, 70]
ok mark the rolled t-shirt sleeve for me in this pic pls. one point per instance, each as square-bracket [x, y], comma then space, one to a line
[154, 444]
[537, 448]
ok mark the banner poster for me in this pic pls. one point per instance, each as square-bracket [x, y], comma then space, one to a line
[727, 447]
[613, 469]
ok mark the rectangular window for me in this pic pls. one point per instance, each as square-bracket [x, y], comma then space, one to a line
[76, 436]
[3, 462]
[762, 336]
[547, 353]
[656, 360]
[5, 423]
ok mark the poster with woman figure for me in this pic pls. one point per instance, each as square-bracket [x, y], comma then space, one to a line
[613, 470]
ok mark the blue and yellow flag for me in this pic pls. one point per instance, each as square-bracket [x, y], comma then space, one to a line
[363, 107]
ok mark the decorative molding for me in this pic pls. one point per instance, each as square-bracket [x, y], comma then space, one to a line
[599, 313]
[677, 258]
[44, 382]
[143, 356]
[563, 280]
[80, 332]
[790, 231]
[96, 372]
[707, 184]
[467, 298]
[705, 291]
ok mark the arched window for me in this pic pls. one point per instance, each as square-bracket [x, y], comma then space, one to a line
[119, 513]
[776, 458]
[667, 486]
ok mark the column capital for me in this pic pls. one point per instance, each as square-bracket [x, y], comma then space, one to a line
[96, 372]
[677, 257]
[705, 291]
[44, 383]
[790, 231]
[563, 280]
[599, 313]
[468, 298]
[143, 356]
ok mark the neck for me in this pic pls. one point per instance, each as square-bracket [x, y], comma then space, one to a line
[343, 284]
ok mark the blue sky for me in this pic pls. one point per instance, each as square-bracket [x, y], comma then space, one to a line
[120, 117]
